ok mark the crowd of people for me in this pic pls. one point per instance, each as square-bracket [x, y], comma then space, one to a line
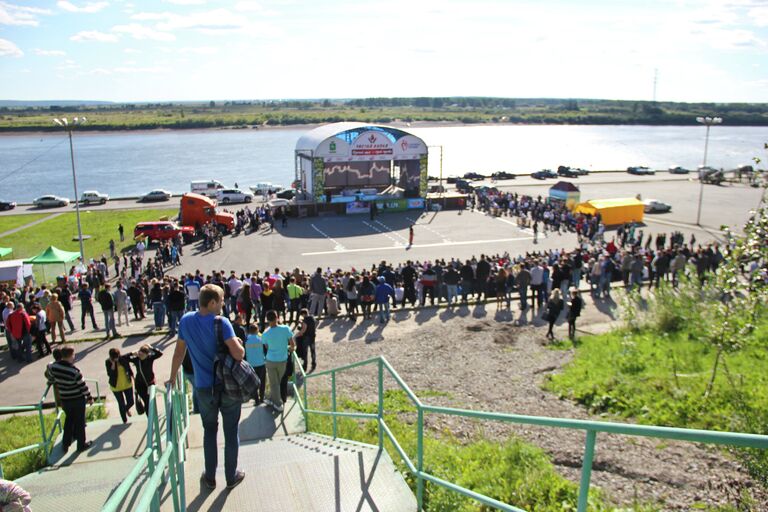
[263, 316]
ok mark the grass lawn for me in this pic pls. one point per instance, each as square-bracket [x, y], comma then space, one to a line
[62, 232]
[19, 431]
[9, 222]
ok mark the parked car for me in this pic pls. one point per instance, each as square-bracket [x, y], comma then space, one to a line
[567, 172]
[640, 170]
[544, 174]
[50, 201]
[264, 189]
[207, 188]
[233, 195]
[7, 205]
[451, 180]
[162, 230]
[501, 175]
[473, 176]
[678, 170]
[93, 197]
[286, 194]
[155, 195]
[580, 171]
[464, 185]
[655, 206]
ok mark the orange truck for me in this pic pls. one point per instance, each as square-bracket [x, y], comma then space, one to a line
[197, 210]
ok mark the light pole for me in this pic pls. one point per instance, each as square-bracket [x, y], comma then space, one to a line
[708, 122]
[69, 127]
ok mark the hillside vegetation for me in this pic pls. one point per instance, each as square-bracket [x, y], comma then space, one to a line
[233, 114]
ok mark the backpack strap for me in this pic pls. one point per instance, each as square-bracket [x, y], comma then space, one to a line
[219, 332]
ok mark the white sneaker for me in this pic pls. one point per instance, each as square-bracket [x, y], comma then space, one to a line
[277, 408]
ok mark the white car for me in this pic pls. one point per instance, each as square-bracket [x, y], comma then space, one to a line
[50, 201]
[233, 195]
[93, 197]
[155, 195]
[655, 206]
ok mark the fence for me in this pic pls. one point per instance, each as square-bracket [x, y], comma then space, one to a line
[591, 429]
[157, 456]
[46, 439]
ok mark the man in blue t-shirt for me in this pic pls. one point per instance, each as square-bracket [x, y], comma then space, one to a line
[277, 338]
[254, 354]
[197, 334]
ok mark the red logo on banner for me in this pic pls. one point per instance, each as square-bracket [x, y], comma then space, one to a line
[404, 145]
[372, 139]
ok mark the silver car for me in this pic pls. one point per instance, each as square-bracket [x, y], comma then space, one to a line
[155, 195]
[655, 206]
[50, 201]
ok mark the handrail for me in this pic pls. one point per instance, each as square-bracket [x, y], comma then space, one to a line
[162, 462]
[592, 428]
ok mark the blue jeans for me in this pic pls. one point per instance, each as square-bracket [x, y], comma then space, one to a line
[158, 309]
[109, 322]
[211, 403]
[173, 320]
[452, 292]
[192, 305]
[384, 311]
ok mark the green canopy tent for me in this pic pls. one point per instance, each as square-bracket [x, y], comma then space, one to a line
[5, 251]
[53, 256]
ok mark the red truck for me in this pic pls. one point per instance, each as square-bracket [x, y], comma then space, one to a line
[162, 230]
[197, 210]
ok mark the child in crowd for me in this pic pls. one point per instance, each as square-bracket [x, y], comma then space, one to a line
[254, 354]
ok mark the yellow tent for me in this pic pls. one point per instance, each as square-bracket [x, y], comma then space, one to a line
[613, 211]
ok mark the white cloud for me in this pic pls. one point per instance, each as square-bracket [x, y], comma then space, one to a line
[68, 65]
[49, 53]
[89, 7]
[8, 49]
[142, 32]
[248, 6]
[140, 70]
[94, 36]
[218, 20]
[131, 51]
[759, 16]
[186, 2]
[11, 14]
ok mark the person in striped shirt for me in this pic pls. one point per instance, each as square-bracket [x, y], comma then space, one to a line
[74, 394]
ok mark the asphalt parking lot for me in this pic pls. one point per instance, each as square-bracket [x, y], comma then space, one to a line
[347, 241]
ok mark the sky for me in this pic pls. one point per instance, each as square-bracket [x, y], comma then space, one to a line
[200, 50]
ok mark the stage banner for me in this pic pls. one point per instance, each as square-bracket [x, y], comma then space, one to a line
[318, 179]
[424, 177]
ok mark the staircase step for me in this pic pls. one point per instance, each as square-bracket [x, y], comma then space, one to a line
[301, 472]
[84, 487]
[255, 423]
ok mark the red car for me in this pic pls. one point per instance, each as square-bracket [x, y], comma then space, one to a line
[162, 230]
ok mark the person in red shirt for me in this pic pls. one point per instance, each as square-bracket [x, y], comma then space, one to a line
[19, 326]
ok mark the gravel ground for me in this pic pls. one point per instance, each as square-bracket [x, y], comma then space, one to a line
[484, 361]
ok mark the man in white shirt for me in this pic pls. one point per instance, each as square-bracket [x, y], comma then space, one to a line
[234, 285]
[537, 285]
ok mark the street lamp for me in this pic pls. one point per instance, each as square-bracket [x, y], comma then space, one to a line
[69, 127]
[708, 122]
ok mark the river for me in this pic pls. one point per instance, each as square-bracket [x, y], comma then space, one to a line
[132, 163]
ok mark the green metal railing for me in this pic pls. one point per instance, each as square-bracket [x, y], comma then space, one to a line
[591, 429]
[162, 460]
[46, 438]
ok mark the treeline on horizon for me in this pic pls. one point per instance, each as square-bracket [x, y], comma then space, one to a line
[467, 110]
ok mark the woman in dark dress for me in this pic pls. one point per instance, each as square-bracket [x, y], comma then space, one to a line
[554, 307]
